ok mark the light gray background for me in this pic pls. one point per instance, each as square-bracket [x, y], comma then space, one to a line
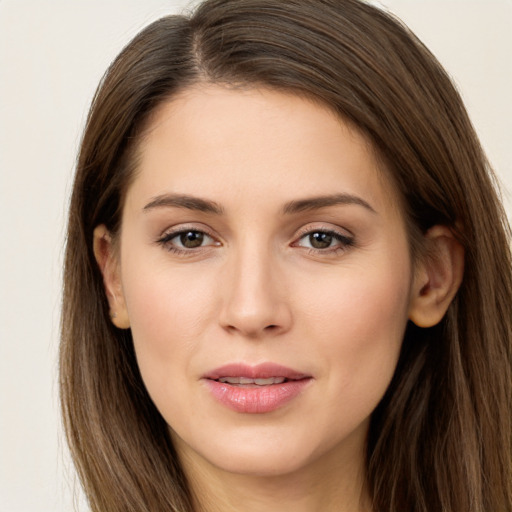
[52, 55]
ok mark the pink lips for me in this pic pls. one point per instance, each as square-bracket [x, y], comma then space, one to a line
[255, 389]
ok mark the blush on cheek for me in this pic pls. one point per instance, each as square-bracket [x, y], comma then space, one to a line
[169, 315]
[364, 332]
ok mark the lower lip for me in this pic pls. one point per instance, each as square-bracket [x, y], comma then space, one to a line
[256, 399]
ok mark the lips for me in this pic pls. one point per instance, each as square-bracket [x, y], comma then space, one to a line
[255, 389]
[244, 381]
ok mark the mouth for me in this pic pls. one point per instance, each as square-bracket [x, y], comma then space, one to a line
[261, 374]
[248, 382]
[256, 389]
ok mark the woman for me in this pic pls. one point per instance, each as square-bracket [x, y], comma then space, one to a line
[287, 277]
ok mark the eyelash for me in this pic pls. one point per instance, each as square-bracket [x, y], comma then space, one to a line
[344, 241]
[165, 241]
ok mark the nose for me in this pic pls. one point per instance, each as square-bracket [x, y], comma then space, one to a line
[255, 302]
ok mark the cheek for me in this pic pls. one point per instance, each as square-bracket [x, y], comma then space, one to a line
[358, 322]
[169, 312]
[369, 300]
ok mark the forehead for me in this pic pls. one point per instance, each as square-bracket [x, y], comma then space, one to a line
[253, 143]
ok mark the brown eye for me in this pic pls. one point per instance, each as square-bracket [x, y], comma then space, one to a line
[191, 239]
[320, 240]
[186, 241]
[324, 241]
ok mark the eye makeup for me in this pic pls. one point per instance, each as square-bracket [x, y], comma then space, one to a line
[184, 240]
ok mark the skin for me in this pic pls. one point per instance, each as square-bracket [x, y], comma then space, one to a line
[258, 288]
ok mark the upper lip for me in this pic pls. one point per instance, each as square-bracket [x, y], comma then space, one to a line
[259, 371]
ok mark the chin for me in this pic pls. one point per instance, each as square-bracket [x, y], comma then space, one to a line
[267, 451]
[261, 462]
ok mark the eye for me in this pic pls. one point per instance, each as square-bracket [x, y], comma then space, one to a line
[324, 240]
[186, 240]
[190, 239]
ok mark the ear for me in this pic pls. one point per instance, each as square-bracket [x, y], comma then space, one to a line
[106, 257]
[437, 277]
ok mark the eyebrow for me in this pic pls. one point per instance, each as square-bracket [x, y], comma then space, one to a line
[315, 203]
[300, 205]
[184, 201]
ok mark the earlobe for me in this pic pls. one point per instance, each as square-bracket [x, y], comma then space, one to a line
[437, 277]
[107, 260]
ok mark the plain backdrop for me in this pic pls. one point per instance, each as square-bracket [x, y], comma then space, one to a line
[52, 55]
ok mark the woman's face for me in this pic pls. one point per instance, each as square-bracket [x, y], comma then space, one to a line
[266, 275]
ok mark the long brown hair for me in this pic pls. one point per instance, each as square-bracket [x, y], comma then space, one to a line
[440, 440]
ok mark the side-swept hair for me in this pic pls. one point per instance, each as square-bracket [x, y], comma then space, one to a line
[440, 440]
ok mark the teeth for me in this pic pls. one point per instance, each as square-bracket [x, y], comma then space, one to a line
[258, 382]
[267, 382]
